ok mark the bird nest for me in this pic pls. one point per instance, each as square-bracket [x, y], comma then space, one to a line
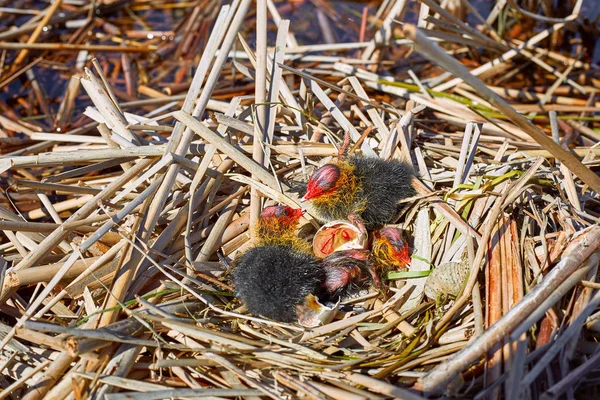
[122, 225]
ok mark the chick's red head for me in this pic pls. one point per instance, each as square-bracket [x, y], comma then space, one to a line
[282, 213]
[322, 181]
[389, 246]
[277, 226]
[344, 268]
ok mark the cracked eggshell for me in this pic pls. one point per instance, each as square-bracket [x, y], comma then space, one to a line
[312, 313]
[338, 235]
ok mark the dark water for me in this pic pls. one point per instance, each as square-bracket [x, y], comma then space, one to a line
[343, 17]
[348, 17]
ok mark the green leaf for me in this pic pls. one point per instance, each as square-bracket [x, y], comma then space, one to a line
[408, 274]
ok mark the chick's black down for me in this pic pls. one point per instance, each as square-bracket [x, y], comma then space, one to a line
[272, 280]
[382, 185]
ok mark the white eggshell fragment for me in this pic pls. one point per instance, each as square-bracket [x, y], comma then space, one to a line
[336, 236]
[312, 313]
[447, 279]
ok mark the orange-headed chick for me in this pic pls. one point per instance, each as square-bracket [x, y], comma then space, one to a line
[367, 189]
[277, 225]
[278, 274]
[388, 250]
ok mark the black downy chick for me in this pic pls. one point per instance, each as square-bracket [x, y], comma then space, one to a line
[364, 190]
[273, 278]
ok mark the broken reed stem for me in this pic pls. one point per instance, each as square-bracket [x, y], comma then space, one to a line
[214, 238]
[37, 227]
[260, 98]
[45, 273]
[50, 376]
[76, 47]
